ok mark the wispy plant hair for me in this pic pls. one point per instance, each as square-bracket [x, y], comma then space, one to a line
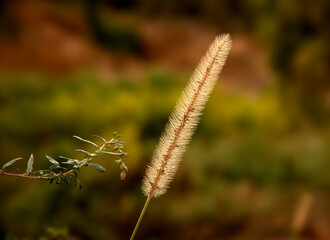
[185, 118]
[183, 122]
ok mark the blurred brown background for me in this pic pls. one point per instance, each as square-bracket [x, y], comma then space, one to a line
[258, 166]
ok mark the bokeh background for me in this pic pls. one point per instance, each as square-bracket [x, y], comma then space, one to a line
[258, 166]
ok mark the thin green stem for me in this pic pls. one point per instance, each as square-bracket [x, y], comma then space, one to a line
[140, 217]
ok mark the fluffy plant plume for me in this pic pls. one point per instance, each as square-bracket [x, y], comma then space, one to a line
[185, 118]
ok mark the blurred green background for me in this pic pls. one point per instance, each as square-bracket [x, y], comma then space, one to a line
[258, 165]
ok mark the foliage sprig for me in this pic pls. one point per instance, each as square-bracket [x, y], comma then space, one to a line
[66, 171]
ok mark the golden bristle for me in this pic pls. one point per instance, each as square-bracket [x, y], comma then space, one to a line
[185, 118]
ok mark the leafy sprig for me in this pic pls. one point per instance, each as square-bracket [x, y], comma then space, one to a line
[66, 171]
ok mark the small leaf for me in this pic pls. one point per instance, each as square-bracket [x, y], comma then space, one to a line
[69, 160]
[52, 161]
[100, 138]
[52, 167]
[120, 145]
[51, 179]
[56, 167]
[66, 158]
[97, 167]
[29, 167]
[79, 184]
[87, 141]
[122, 175]
[87, 153]
[11, 162]
[68, 163]
[112, 153]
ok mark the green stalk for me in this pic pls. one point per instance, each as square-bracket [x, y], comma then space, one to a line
[140, 217]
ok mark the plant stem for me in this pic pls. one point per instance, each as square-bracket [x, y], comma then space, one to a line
[140, 217]
[23, 175]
